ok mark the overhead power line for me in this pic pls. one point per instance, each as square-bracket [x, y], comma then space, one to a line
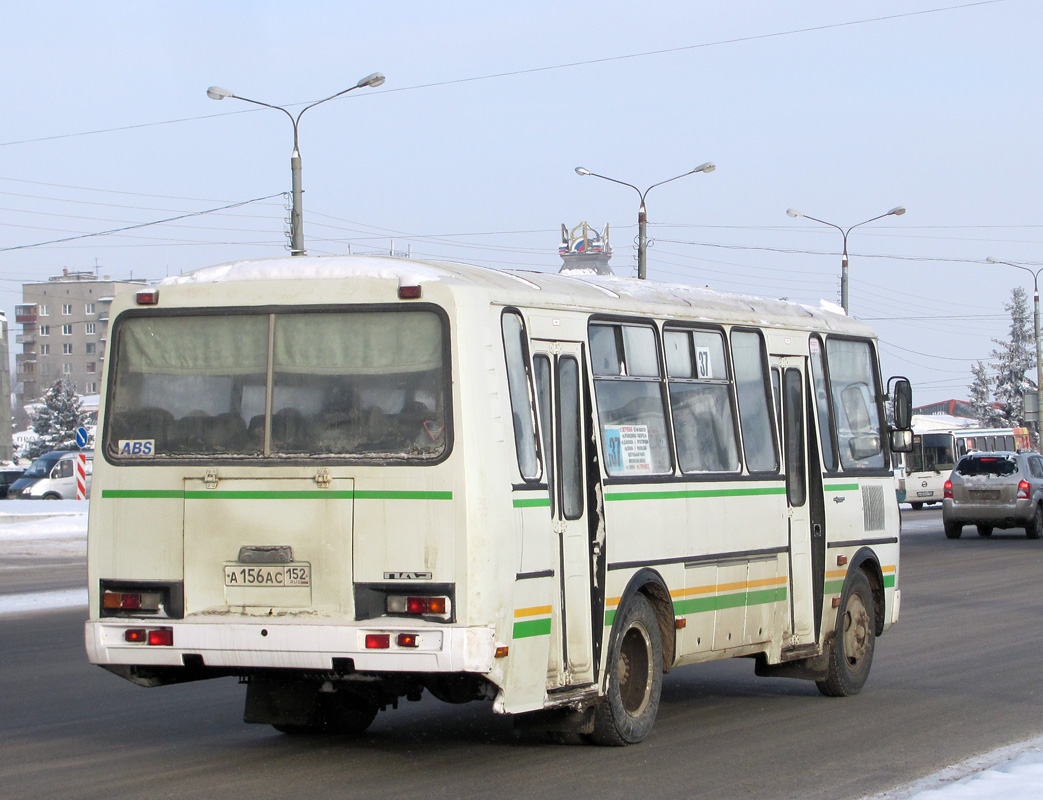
[139, 225]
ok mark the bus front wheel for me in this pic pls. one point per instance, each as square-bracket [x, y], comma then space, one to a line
[851, 651]
[635, 677]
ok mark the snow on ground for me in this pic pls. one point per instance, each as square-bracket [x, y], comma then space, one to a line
[46, 529]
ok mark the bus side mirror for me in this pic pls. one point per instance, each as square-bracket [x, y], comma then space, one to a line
[902, 395]
[902, 441]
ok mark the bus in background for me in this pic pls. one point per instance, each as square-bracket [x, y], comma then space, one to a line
[349, 480]
[935, 453]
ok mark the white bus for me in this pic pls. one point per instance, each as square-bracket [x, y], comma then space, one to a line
[346, 480]
[935, 453]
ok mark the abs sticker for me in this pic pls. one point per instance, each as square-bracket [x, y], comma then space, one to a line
[137, 447]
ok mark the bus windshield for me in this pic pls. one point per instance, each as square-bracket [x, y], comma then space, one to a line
[933, 451]
[256, 385]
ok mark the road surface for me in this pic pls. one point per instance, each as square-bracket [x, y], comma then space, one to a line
[960, 675]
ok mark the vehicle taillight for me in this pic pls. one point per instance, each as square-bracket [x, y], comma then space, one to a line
[947, 491]
[131, 601]
[1024, 490]
[417, 604]
[163, 637]
[378, 641]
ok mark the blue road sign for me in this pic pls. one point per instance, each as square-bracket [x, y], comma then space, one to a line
[81, 437]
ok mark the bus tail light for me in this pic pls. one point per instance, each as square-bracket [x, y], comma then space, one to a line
[148, 297]
[1024, 490]
[418, 604]
[131, 601]
[407, 640]
[378, 641]
[947, 491]
[162, 637]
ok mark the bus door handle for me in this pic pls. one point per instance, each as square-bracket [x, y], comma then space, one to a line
[816, 530]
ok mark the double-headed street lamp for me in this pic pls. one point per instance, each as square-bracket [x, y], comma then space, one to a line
[642, 241]
[296, 212]
[1039, 359]
[896, 211]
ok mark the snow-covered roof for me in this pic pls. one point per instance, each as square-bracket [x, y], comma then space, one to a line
[604, 292]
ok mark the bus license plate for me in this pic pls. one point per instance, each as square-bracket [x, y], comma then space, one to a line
[280, 575]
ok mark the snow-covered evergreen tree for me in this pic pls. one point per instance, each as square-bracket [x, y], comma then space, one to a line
[981, 396]
[1013, 360]
[55, 424]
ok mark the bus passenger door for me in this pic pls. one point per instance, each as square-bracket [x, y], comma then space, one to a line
[561, 391]
[788, 380]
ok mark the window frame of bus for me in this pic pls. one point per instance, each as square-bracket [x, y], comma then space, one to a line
[529, 389]
[874, 374]
[617, 323]
[268, 310]
[769, 403]
[820, 380]
[728, 381]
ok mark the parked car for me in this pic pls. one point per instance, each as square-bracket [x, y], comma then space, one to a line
[994, 490]
[52, 477]
[9, 476]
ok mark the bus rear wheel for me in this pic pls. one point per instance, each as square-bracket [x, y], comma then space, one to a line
[635, 677]
[851, 651]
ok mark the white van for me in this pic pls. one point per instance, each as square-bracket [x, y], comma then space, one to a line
[52, 477]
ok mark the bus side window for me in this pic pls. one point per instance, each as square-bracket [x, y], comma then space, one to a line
[701, 401]
[852, 377]
[519, 385]
[826, 433]
[629, 391]
[755, 416]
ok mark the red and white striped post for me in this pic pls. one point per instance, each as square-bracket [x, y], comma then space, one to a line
[81, 476]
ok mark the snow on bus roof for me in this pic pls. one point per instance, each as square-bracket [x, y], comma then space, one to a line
[608, 292]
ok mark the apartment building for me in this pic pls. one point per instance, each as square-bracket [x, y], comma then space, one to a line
[65, 323]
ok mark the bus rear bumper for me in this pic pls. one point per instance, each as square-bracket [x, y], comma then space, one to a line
[283, 645]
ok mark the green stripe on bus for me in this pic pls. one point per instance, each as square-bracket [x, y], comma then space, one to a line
[397, 495]
[697, 493]
[532, 627]
[841, 487]
[698, 605]
[310, 494]
[532, 502]
[833, 587]
[889, 581]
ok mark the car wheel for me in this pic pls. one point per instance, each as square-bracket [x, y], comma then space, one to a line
[1035, 528]
[985, 530]
[851, 650]
[953, 530]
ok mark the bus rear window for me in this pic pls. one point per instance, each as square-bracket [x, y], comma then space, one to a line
[369, 384]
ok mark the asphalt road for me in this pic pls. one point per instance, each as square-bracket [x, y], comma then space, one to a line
[959, 675]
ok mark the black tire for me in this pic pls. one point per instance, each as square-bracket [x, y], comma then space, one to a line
[851, 650]
[52, 497]
[635, 677]
[916, 506]
[984, 530]
[342, 713]
[952, 529]
[1035, 527]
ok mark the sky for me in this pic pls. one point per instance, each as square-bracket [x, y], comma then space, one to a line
[467, 152]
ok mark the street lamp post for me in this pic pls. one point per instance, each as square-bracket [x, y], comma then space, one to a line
[642, 229]
[296, 211]
[1035, 314]
[896, 211]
